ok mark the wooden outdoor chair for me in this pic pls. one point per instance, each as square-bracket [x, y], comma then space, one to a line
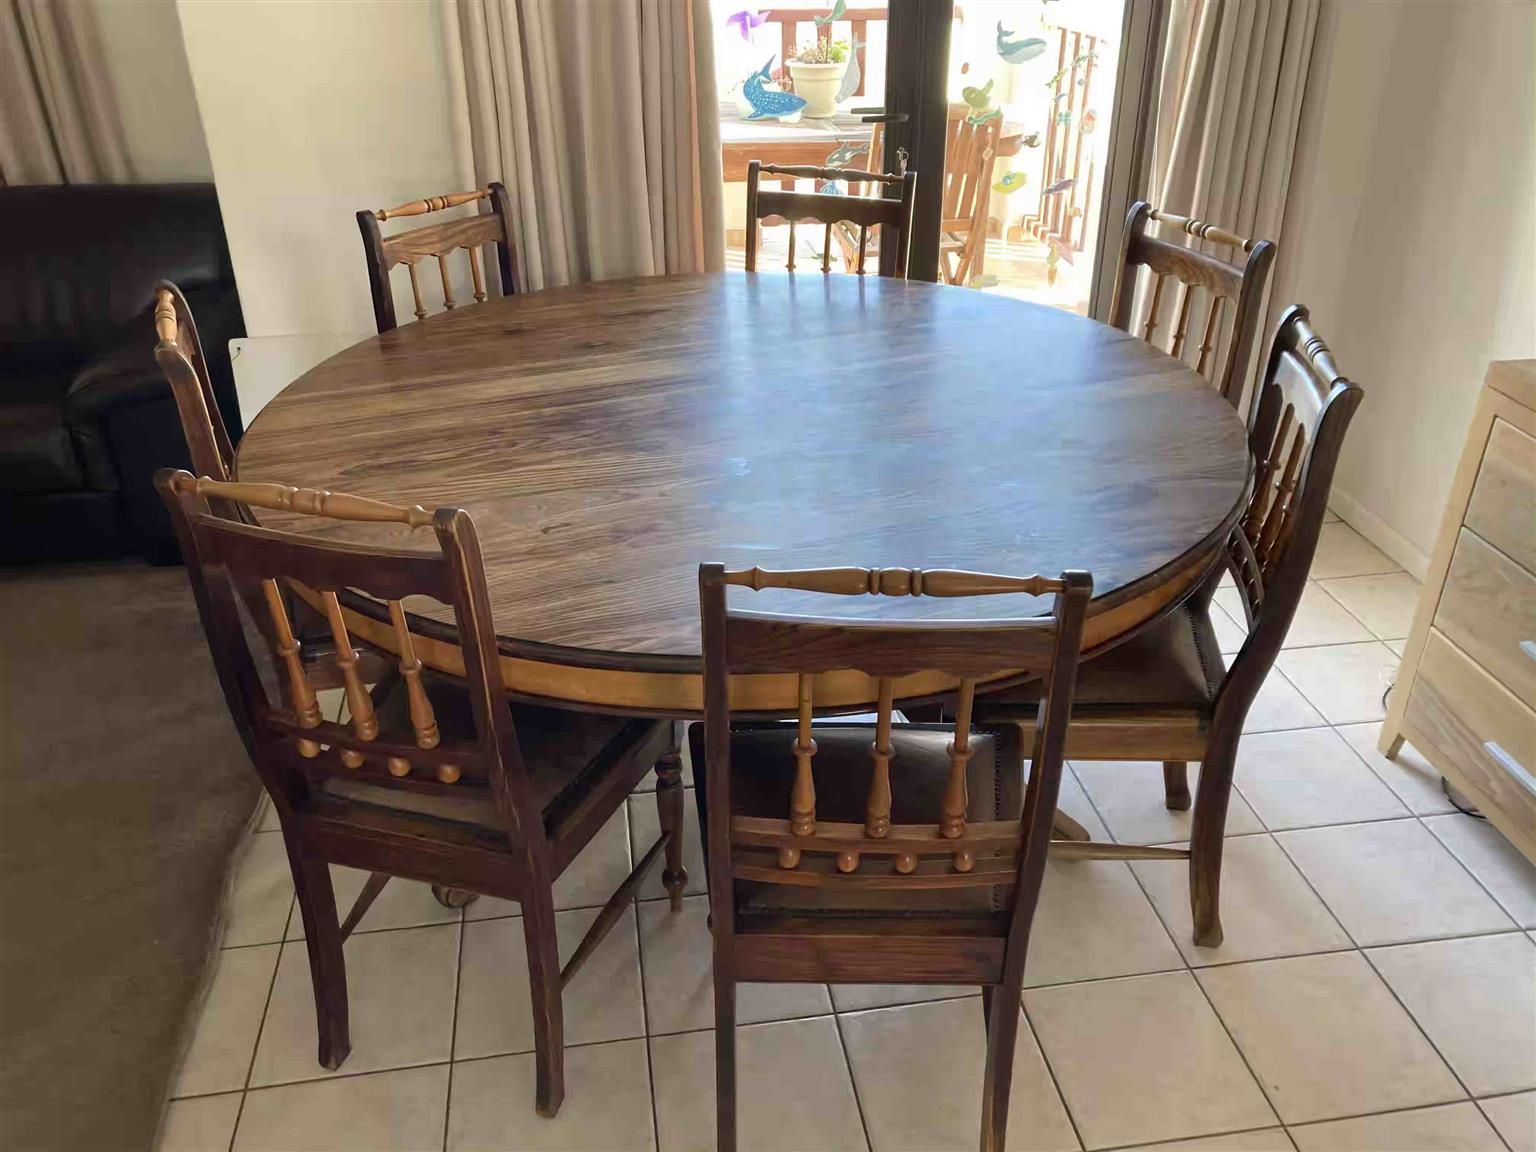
[431, 780]
[891, 852]
[1164, 695]
[1219, 283]
[892, 217]
[471, 233]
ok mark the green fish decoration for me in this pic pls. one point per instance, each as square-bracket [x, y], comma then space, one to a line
[837, 13]
[978, 98]
[1009, 182]
[982, 117]
[1017, 51]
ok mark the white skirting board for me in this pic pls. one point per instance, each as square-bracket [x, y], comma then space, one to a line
[1379, 533]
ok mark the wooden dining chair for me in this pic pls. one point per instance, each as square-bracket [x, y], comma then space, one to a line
[888, 852]
[471, 233]
[1164, 695]
[1231, 295]
[433, 781]
[892, 217]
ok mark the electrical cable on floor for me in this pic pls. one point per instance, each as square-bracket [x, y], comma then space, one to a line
[1445, 785]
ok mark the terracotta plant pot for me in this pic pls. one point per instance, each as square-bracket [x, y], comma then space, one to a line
[818, 85]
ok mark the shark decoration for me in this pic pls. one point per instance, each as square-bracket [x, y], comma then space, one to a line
[852, 77]
[1017, 51]
[843, 154]
[836, 14]
[769, 105]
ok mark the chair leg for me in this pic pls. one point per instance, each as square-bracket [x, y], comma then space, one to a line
[725, 1061]
[548, 1009]
[669, 815]
[327, 966]
[1206, 843]
[1176, 785]
[997, 1081]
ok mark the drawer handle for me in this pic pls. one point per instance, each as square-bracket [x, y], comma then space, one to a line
[1511, 765]
[1529, 648]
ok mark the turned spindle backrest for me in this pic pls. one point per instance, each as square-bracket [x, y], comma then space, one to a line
[947, 852]
[293, 746]
[1303, 409]
[1222, 299]
[180, 356]
[438, 241]
[892, 217]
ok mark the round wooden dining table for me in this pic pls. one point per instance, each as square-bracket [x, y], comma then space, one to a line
[609, 438]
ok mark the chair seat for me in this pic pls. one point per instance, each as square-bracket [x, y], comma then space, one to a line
[762, 771]
[1174, 664]
[567, 754]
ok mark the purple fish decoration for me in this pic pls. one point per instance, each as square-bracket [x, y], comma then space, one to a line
[746, 20]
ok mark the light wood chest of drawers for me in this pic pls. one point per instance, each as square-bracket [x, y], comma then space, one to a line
[1466, 692]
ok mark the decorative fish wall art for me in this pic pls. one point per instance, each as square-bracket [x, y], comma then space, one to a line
[836, 14]
[1017, 51]
[843, 154]
[746, 20]
[767, 104]
[1059, 186]
[852, 77]
[978, 98]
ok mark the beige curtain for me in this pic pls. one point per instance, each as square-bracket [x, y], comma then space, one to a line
[602, 121]
[58, 115]
[1233, 77]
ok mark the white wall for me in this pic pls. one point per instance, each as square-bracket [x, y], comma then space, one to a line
[1413, 236]
[311, 112]
[155, 101]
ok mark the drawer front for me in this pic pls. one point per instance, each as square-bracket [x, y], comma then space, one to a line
[1488, 735]
[1488, 608]
[1503, 506]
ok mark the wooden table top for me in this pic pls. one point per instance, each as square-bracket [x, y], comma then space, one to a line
[608, 438]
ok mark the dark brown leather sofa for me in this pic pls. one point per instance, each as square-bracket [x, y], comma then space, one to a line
[85, 415]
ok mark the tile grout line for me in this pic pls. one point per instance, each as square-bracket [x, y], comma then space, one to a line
[250, 1066]
[1476, 879]
[1487, 1119]
[853, 1080]
[645, 1008]
[1049, 1070]
[453, 1032]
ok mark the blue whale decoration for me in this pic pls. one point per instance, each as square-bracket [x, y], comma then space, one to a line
[768, 105]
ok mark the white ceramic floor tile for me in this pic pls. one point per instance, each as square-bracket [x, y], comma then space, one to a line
[602, 1002]
[1345, 682]
[918, 1070]
[1326, 1038]
[1308, 777]
[645, 826]
[679, 983]
[269, 820]
[1278, 705]
[1397, 645]
[1392, 882]
[1384, 604]
[1258, 1140]
[1476, 1000]
[401, 1111]
[859, 997]
[1144, 1059]
[1445, 1128]
[793, 1090]
[402, 904]
[1515, 1119]
[1509, 876]
[1231, 630]
[400, 988]
[599, 870]
[1341, 551]
[1416, 783]
[200, 1124]
[607, 1103]
[1319, 618]
[228, 1022]
[262, 893]
[1129, 795]
[1074, 802]
[1094, 921]
[1267, 909]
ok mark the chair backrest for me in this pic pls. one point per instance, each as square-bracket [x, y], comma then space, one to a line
[471, 233]
[1236, 290]
[893, 217]
[1304, 407]
[180, 356]
[948, 852]
[293, 748]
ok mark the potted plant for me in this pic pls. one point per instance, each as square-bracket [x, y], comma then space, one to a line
[817, 72]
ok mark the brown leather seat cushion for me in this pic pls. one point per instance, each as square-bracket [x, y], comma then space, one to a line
[563, 752]
[1175, 663]
[763, 768]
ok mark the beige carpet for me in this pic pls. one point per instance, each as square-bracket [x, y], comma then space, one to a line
[124, 789]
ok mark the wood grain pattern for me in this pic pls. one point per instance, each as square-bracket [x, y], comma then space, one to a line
[606, 437]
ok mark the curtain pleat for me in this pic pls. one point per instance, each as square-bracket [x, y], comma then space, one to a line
[58, 115]
[600, 119]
